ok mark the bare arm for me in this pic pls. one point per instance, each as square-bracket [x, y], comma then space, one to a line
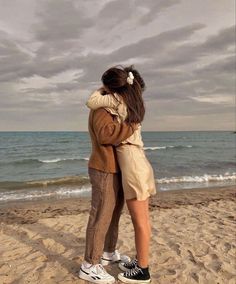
[109, 131]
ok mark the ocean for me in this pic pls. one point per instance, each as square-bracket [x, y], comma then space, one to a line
[44, 165]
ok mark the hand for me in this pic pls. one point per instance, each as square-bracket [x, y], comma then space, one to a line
[102, 90]
[135, 126]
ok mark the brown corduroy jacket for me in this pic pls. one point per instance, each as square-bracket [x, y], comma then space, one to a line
[106, 133]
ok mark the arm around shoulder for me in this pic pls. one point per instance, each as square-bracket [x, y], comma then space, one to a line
[109, 131]
[97, 100]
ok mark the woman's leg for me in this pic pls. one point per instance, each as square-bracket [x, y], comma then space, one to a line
[139, 212]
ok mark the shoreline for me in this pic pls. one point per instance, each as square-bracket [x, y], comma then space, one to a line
[53, 192]
[43, 208]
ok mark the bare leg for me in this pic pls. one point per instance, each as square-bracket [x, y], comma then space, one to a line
[139, 212]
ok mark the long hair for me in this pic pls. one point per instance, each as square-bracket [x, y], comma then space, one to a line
[115, 80]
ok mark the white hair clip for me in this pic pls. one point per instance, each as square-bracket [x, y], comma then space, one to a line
[130, 78]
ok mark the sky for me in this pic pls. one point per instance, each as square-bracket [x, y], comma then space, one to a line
[53, 53]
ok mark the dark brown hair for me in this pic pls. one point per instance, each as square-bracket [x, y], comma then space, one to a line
[115, 80]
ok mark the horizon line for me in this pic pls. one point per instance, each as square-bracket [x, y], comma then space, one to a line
[219, 130]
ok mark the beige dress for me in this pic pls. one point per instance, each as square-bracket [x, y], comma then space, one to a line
[137, 174]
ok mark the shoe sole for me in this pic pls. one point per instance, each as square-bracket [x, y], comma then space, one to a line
[90, 279]
[126, 280]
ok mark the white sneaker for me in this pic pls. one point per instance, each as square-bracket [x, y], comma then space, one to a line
[95, 274]
[112, 257]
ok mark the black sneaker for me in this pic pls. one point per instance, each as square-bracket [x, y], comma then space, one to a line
[135, 275]
[125, 266]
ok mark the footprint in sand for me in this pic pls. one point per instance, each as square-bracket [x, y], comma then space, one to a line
[227, 247]
[215, 264]
[194, 276]
[53, 246]
[175, 247]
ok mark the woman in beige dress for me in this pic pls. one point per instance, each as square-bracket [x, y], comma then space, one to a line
[121, 95]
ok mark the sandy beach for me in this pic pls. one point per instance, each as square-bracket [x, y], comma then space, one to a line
[193, 238]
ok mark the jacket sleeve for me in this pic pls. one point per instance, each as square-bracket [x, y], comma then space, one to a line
[108, 131]
[97, 100]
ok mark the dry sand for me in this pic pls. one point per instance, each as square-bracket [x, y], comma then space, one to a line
[194, 239]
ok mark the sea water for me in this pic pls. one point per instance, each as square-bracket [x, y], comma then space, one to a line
[35, 165]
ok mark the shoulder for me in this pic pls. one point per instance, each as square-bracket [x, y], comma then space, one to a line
[101, 114]
[100, 111]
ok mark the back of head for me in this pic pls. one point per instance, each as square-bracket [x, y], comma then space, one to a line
[128, 83]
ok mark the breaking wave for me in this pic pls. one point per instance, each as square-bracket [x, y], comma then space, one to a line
[167, 147]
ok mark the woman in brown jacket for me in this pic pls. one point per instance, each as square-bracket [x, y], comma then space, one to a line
[107, 196]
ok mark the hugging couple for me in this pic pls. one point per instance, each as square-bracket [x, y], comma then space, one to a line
[118, 171]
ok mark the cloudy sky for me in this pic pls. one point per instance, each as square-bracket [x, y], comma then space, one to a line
[53, 52]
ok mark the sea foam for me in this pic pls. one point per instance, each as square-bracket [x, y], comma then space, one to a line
[167, 147]
[199, 179]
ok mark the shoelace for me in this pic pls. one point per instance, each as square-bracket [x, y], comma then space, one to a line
[100, 269]
[133, 271]
[131, 263]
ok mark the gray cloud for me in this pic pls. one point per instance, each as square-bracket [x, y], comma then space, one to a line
[117, 11]
[154, 8]
[188, 68]
[113, 13]
[60, 20]
[147, 48]
[221, 41]
[13, 59]
[223, 66]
